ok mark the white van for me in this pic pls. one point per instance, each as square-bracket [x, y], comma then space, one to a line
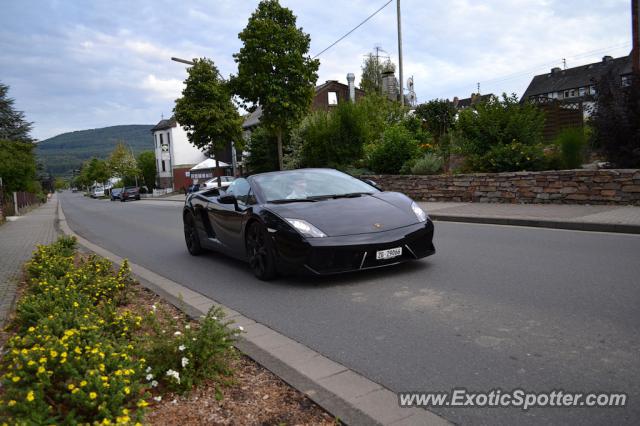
[97, 192]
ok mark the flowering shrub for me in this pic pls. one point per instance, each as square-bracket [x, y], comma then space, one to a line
[78, 354]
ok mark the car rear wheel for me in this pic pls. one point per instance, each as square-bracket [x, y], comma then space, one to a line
[260, 252]
[191, 235]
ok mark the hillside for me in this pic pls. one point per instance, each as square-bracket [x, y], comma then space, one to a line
[68, 151]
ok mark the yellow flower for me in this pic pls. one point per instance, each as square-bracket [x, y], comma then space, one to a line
[42, 360]
[93, 395]
[71, 386]
[31, 329]
[11, 403]
[41, 369]
[31, 362]
[76, 390]
[83, 383]
[16, 379]
[127, 390]
[30, 396]
[142, 403]
[53, 353]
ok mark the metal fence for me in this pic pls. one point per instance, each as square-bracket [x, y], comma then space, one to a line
[12, 203]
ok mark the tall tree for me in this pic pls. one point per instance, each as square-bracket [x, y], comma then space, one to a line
[13, 126]
[274, 68]
[206, 111]
[122, 163]
[616, 120]
[17, 165]
[147, 166]
[372, 69]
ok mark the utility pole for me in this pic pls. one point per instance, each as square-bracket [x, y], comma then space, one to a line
[478, 86]
[564, 63]
[400, 52]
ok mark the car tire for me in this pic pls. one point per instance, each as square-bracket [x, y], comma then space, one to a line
[191, 235]
[260, 252]
[138, 198]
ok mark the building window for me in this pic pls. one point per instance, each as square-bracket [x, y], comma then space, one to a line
[332, 98]
[155, 136]
[592, 89]
[164, 169]
[169, 138]
[583, 91]
[161, 139]
[625, 80]
[566, 94]
[572, 93]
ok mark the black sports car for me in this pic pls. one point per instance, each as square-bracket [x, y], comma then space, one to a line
[311, 220]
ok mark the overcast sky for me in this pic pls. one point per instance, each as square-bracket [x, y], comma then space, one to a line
[74, 65]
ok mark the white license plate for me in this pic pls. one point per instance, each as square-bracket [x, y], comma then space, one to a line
[389, 254]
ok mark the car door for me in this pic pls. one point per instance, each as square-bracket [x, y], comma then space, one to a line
[227, 220]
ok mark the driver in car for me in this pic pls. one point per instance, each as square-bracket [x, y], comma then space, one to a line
[298, 189]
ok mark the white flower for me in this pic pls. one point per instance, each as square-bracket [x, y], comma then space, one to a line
[181, 348]
[174, 374]
[154, 383]
[157, 398]
[185, 361]
[177, 333]
[187, 327]
[193, 338]
[215, 318]
[149, 376]
[154, 308]
[148, 370]
[241, 328]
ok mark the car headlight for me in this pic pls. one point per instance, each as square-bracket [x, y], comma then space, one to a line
[305, 228]
[420, 214]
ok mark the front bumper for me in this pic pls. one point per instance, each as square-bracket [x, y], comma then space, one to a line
[334, 255]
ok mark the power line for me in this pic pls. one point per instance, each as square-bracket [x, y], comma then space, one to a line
[353, 29]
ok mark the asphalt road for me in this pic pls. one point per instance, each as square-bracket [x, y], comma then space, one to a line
[496, 307]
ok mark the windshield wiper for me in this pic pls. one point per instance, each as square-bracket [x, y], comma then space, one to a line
[293, 200]
[350, 195]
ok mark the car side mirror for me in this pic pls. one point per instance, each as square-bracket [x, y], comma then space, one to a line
[372, 183]
[227, 199]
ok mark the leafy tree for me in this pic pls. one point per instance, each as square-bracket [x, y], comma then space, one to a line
[438, 117]
[61, 183]
[274, 68]
[372, 70]
[122, 163]
[263, 156]
[17, 165]
[502, 135]
[147, 166]
[94, 170]
[616, 121]
[13, 126]
[206, 111]
[397, 147]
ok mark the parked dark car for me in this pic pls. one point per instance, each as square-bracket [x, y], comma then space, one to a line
[320, 221]
[130, 193]
[116, 194]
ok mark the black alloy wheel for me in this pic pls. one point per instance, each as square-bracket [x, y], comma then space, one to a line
[191, 235]
[260, 252]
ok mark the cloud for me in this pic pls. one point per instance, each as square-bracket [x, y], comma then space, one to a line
[163, 88]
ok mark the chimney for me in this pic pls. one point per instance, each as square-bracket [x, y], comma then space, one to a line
[606, 59]
[555, 70]
[635, 21]
[352, 88]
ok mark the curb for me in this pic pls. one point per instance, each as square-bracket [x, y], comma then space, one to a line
[540, 223]
[345, 394]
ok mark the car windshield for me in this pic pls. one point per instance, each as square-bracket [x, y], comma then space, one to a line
[309, 184]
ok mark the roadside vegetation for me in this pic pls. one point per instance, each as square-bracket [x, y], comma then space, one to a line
[89, 346]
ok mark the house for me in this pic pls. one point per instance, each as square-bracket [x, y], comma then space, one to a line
[175, 155]
[577, 85]
[327, 95]
[474, 99]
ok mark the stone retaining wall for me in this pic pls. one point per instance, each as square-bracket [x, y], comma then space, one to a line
[557, 187]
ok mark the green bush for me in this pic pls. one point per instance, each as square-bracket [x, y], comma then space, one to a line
[571, 144]
[502, 135]
[429, 164]
[397, 147]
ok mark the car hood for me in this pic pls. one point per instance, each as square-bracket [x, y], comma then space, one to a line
[348, 216]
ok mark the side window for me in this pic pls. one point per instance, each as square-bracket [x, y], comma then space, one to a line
[240, 188]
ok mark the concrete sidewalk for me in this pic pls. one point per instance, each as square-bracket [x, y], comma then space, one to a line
[603, 218]
[18, 239]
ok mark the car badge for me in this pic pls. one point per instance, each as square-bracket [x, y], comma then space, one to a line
[377, 225]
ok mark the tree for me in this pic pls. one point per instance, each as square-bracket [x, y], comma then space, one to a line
[502, 135]
[13, 126]
[372, 70]
[147, 167]
[122, 163]
[206, 111]
[274, 68]
[438, 116]
[17, 165]
[616, 120]
[263, 156]
[94, 170]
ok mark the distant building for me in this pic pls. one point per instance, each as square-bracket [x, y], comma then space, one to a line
[175, 156]
[577, 85]
[472, 100]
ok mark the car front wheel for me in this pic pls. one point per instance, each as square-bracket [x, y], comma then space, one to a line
[191, 235]
[260, 252]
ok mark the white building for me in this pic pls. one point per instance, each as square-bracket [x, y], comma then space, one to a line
[175, 155]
